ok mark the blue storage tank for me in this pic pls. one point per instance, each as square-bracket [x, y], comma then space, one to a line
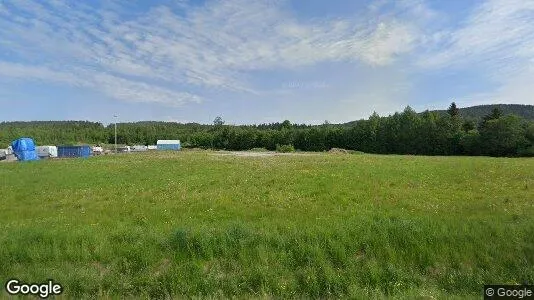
[169, 145]
[24, 149]
[74, 151]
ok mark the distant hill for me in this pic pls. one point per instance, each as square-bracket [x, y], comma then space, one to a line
[479, 111]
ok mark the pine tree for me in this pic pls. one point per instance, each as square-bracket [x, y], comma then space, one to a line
[453, 110]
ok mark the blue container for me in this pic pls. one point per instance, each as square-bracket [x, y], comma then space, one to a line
[74, 151]
[24, 149]
[169, 147]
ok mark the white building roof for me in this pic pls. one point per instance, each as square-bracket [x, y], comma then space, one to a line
[168, 142]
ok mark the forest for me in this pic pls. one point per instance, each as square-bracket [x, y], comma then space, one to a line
[428, 133]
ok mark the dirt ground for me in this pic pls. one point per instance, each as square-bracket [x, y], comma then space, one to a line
[257, 154]
[9, 158]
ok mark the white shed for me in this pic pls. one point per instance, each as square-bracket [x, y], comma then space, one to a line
[169, 145]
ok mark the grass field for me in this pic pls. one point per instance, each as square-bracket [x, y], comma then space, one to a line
[197, 224]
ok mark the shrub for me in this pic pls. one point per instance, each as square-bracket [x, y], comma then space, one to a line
[338, 151]
[527, 152]
[187, 145]
[285, 148]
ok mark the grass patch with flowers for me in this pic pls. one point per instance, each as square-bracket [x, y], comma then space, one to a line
[197, 224]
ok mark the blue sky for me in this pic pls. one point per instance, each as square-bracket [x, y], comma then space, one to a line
[260, 61]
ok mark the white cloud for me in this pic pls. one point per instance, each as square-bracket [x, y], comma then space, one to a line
[139, 91]
[41, 73]
[518, 88]
[113, 86]
[419, 9]
[177, 53]
[496, 31]
[136, 57]
[498, 41]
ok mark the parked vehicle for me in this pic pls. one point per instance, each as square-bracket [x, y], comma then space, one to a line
[97, 150]
[139, 148]
[124, 149]
[47, 151]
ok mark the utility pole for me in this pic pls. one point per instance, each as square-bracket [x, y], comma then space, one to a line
[115, 116]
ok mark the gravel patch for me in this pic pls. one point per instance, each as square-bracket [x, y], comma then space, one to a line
[259, 154]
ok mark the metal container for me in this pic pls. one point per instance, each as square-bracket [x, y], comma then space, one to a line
[74, 151]
[169, 145]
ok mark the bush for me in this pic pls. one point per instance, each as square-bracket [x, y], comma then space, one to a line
[187, 145]
[527, 152]
[285, 148]
[338, 151]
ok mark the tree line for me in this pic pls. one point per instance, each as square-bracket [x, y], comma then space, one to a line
[406, 132]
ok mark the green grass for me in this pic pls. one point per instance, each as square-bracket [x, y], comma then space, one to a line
[195, 224]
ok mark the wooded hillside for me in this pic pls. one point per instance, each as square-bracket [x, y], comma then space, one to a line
[407, 132]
